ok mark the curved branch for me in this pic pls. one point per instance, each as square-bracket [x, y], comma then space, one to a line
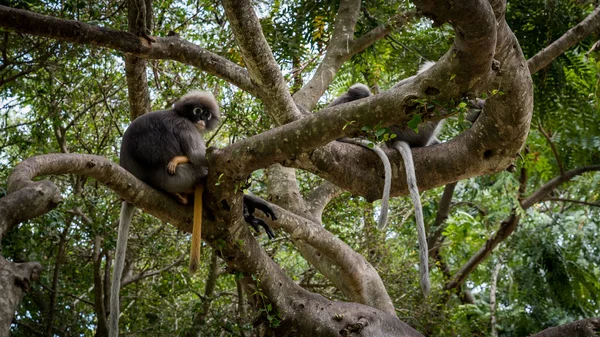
[320, 197]
[338, 52]
[108, 173]
[168, 48]
[33, 199]
[260, 62]
[358, 279]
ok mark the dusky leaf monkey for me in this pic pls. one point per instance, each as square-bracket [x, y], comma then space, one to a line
[165, 149]
[406, 138]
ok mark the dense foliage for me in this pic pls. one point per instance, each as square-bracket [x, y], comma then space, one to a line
[59, 97]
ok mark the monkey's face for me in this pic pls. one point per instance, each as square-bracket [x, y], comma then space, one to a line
[200, 115]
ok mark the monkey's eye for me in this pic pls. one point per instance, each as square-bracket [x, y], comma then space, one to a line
[197, 110]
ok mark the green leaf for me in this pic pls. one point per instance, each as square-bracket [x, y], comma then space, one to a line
[414, 122]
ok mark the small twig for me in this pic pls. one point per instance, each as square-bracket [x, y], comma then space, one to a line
[560, 165]
[595, 204]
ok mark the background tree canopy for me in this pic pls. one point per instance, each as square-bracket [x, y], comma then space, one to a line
[512, 217]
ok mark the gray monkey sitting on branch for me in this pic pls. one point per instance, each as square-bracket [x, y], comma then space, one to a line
[405, 139]
[165, 149]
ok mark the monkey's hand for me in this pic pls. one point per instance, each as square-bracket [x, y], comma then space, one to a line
[172, 165]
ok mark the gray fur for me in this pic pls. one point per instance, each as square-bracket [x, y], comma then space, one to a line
[406, 138]
[149, 143]
[124, 222]
[356, 91]
[359, 91]
[153, 139]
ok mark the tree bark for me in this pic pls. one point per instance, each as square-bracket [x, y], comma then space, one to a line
[15, 279]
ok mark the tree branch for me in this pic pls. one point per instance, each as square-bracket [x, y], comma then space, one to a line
[358, 280]
[584, 328]
[363, 42]
[138, 23]
[147, 273]
[543, 191]
[568, 40]
[169, 48]
[320, 197]
[553, 147]
[593, 204]
[508, 226]
[338, 52]
[260, 62]
[108, 173]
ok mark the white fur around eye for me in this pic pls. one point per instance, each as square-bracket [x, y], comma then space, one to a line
[196, 110]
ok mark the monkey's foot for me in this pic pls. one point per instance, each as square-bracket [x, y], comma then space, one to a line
[256, 222]
[148, 38]
[182, 198]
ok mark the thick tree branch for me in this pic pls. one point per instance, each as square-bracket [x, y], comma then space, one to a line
[284, 191]
[15, 279]
[101, 169]
[259, 60]
[349, 271]
[135, 68]
[568, 40]
[31, 200]
[584, 328]
[320, 197]
[293, 302]
[338, 52]
[169, 48]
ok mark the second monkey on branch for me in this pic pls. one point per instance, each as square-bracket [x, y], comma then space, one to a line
[406, 139]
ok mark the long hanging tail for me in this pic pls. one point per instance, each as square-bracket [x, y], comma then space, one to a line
[122, 236]
[196, 231]
[385, 199]
[411, 181]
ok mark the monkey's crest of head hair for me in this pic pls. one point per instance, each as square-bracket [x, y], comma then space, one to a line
[360, 90]
[198, 106]
[198, 97]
